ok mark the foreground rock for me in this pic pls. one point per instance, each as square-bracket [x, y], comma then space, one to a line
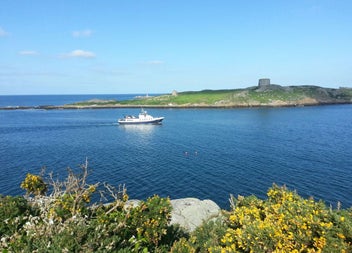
[190, 213]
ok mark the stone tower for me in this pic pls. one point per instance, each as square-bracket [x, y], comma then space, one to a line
[264, 82]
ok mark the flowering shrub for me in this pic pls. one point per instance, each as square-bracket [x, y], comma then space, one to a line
[285, 222]
[66, 221]
[183, 246]
[151, 219]
[203, 238]
[34, 184]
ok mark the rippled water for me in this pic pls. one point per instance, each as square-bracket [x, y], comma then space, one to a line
[203, 153]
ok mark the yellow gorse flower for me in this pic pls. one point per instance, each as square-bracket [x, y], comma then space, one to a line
[34, 184]
[284, 223]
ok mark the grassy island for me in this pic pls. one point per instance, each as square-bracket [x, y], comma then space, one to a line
[58, 216]
[268, 96]
[258, 96]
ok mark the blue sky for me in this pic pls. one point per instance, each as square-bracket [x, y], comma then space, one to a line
[156, 46]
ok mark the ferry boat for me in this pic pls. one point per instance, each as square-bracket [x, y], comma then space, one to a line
[143, 118]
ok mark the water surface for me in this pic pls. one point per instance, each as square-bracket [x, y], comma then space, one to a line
[203, 153]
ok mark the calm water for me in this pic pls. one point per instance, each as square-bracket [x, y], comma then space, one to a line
[36, 100]
[203, 153]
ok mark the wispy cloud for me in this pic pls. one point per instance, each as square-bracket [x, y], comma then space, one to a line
[82, 33]
[78, 53]
[109, 71]
[154, 62]
[3, 33]
[28, 52]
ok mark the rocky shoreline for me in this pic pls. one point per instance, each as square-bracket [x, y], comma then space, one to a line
[194, 106]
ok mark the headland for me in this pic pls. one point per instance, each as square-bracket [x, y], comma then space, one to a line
[264, 94]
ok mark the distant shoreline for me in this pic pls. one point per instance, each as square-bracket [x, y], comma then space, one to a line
[262, 96]
[89, 107]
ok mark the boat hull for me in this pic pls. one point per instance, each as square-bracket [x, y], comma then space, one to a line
[139, 121]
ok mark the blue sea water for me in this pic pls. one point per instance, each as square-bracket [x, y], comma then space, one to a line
[202, 153]
[36, 100]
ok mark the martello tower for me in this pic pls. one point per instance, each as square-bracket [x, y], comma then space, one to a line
[263, 82]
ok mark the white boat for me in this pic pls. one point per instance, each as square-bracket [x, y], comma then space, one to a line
[143, 118]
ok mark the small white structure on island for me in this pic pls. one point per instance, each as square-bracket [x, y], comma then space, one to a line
[174, 93]
[263, 82]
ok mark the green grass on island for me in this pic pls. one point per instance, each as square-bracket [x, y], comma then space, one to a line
[271, 95]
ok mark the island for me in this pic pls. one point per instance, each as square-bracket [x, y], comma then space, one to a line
[264, 94]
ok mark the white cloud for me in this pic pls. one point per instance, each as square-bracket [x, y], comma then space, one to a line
[28, 52]
[3, 33]
[78, 53]
[82, 33]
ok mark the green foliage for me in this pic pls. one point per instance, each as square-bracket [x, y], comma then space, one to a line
[34, 184]
[63, 221]
[183, 246]
[252, 96]
[206, 97]
[208, 235]
[140, 228]
[150, 220]
[204, 238]
[269, 96]
[13, 213]
[66, 223]
[285, 222]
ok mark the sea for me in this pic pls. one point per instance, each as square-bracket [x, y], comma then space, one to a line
[201, 153]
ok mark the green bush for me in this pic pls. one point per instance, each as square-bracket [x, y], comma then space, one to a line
[140, 228]
[13, 213]
[34, 184]
[65, 222]
[286, 222]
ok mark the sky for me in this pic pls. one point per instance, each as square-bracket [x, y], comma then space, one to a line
[157, 46]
